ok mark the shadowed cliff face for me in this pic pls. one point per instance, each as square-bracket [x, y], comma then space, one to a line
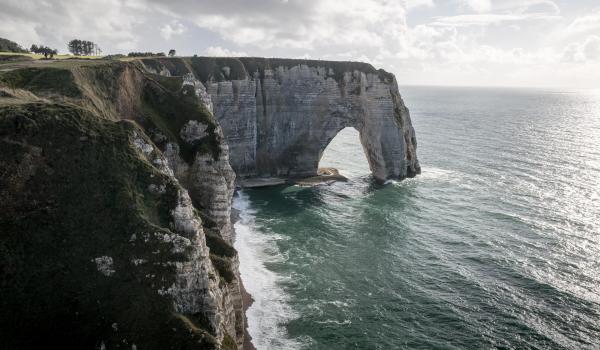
[279, 115]
[115, 199]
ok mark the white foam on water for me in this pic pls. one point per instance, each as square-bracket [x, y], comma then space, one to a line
[270, 312]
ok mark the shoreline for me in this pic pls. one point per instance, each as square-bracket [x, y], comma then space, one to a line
[325, 176]
[264, 302]
[247, 299]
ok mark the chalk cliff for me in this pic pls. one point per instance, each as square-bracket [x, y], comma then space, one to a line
[117, 182]
[115, 202]
[279, 115]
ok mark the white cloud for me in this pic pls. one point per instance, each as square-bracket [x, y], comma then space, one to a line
[20, 31]
[591, 49]
[412, 4]
[548, 7]
[585, 51]
[173, 28]
[320, 24]
[479, 6]
[488, 19]
[584, 24]
[219, 51]
[423, 41]
[55, 23]
[512, 11]
[541, 6]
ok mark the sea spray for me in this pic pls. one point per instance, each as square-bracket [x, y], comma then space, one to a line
[270, 311]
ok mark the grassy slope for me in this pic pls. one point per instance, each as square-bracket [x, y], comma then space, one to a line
[58, 57]
[170, 111]
[163, 105]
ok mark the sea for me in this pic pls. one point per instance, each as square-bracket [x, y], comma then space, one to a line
[496, 245]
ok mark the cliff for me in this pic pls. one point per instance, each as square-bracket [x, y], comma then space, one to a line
[115, 212]
[279, 115]
[117, 181]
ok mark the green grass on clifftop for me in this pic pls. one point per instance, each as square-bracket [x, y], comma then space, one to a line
[213, 68]
[49, 80]
[36, 56]
[169, 111]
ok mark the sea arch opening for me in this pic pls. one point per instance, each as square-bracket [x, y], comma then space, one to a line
[345, 153]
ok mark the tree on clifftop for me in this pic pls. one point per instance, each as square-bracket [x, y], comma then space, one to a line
[43, 50]
[10, 46]
[82, 47]
[172, 52]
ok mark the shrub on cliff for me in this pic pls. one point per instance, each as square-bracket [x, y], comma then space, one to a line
[117, 56]
[10, 46]
[83, 47]
[146, 54]
[43, 50]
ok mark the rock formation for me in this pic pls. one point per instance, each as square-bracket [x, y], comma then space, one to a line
[279, 115]
[114, 212]
[117, 181]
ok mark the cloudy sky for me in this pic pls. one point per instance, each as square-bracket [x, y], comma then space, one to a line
[547, 43]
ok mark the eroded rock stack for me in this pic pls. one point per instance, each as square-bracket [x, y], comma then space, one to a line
[279, 118]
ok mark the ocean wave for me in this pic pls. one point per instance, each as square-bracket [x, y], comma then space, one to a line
[339, 323]
[270, 311]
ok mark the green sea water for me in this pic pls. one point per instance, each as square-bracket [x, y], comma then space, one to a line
[495, 245]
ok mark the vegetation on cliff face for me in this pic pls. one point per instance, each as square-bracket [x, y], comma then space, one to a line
[218, 68]
[58, 81]
[229, 68]
[162, 105]
[176, 67]
[170, 110]
[81, 209]
[75, 189]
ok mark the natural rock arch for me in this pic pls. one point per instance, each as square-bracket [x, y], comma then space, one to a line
[278, 115]
[345, 153]
[382, 143]
[279, 122]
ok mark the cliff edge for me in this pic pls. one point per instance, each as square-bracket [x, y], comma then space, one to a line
[115, 211]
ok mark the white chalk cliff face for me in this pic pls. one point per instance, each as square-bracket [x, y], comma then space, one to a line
[279, 115]
[196, 289]
[279, 121]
